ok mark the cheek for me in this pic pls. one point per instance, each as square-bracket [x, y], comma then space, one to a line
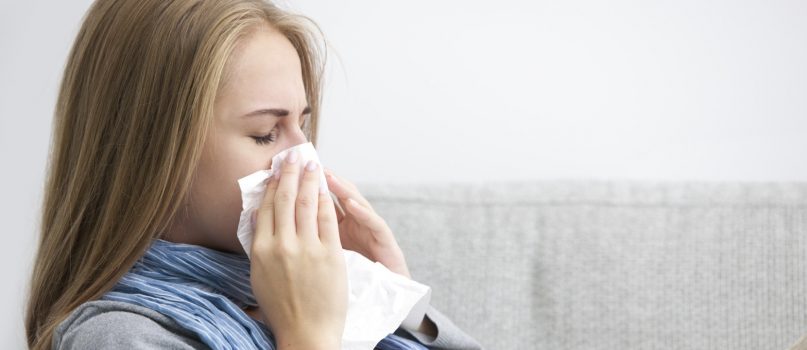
[216, 198]
[215, 203]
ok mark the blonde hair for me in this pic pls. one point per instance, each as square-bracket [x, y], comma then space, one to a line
[133, 110]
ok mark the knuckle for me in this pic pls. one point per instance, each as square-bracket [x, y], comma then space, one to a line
[305, 202]
[260, 245]
[284, 196]
[267, 208]
[335, 256]
[326, 207]
[285, 249]
[289, 169]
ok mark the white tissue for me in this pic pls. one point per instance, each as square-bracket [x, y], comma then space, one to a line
[379, 300]
[253, 187]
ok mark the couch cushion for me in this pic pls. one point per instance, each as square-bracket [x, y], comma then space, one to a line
[608, 265]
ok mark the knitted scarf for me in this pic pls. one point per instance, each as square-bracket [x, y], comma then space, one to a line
[205, 290]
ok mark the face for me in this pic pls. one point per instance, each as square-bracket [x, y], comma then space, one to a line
[259, 112]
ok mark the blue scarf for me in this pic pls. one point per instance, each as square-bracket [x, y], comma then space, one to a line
[204, 290]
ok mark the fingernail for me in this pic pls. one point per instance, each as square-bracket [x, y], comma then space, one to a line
[291, 157]
[311, 166]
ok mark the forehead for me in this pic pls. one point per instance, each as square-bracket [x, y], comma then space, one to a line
[263, 71]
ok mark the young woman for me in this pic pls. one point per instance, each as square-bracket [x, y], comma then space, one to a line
[163, 106]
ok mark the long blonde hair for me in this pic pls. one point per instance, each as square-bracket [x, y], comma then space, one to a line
[134, 106]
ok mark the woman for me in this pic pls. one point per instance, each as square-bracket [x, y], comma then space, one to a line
[163, 106]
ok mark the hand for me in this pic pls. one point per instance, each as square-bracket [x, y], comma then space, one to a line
[298, 272]
[362, 230]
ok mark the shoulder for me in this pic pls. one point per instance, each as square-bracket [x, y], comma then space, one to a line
[105, 324]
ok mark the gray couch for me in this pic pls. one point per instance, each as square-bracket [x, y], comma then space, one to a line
[609, 265]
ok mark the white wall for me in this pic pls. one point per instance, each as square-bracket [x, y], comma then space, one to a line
[662, 90]
[678, 90]
[34, 40]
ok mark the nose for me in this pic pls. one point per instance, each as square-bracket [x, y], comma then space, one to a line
[294, 138]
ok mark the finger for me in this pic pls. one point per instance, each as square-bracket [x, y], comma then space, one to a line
[308, 201]
[327, 222]
[365, 216]
[339, 195]
[264, 224]
[340, 213]
[344, 190]
[286, 196]
[329, 173]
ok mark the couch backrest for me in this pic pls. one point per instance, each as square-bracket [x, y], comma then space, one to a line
[609, 265]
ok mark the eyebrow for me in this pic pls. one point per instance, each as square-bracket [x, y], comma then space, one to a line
[277, 112]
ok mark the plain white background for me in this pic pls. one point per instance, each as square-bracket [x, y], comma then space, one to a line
[473, 91]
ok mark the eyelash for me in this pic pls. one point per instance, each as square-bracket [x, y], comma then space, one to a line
[268, 138]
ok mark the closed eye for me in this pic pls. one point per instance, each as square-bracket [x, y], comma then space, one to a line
[266, 139]
[272, 135]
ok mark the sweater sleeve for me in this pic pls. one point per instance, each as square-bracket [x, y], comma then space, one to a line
[96, 326]
[449, 336]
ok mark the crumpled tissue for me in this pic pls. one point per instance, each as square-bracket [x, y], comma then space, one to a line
[379, 300]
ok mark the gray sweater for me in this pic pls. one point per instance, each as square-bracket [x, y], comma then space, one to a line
[104, 324]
